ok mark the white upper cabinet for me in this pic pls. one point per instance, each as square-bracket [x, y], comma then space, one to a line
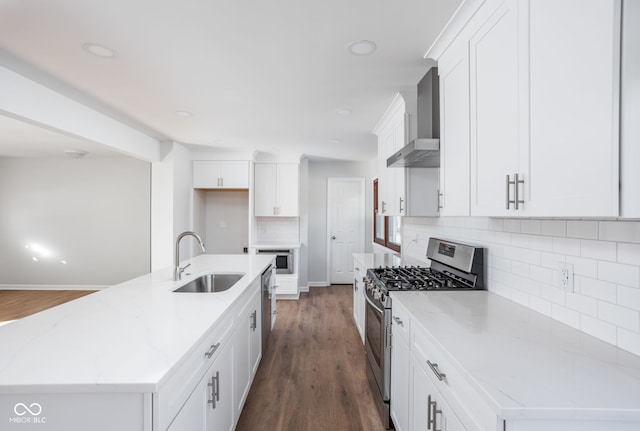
[453, 68]
[221, 174]
[574, 98]
[495, 101]
[276, 189]
[544, 116]
[630, 111]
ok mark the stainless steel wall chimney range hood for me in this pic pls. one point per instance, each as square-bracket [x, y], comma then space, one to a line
[423, 152]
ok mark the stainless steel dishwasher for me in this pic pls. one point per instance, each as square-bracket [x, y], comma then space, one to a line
[267, 298]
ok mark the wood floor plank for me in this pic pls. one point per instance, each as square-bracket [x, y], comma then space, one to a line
[16, 304]
[312, 374]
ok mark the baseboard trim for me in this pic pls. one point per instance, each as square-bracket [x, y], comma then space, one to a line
[317, 284]
[52, 287]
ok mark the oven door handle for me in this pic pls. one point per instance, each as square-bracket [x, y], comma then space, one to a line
[372, 303]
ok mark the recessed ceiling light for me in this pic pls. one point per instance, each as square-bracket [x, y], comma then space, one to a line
[99, 50]
[75, 154]
[362, 47]
[334, 141]
[343, 112]
[184, 114]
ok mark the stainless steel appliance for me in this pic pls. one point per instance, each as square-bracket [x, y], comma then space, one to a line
[454, 266]
[267, 298]
[284, 259]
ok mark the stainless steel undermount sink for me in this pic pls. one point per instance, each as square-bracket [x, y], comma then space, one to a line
[211, 283]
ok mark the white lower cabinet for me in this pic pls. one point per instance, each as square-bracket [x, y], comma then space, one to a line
[429, 410]
[248, 342]
[359, 272]
[210, 406]
[400, 382]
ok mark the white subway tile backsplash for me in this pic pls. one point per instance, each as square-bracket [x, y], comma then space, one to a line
[598, 289]
[622, 231]
[602, 250]
[554, 227]
[565, 315]
[620, 316]
[599, 329]
[582, 229]
[522, 265]
[629, 253]
[568, 246]
[531, 227]
[583, 304]
[629, 275]
[629, 297]
[583, 266]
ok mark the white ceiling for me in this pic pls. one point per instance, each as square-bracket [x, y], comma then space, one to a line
[265, 75]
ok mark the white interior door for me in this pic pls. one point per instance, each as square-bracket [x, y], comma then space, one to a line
[345, 226]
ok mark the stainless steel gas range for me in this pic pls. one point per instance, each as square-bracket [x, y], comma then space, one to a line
[453, 266]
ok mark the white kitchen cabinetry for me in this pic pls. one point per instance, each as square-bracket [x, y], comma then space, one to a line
[248, 342]
[403, 191]
[220, 174]
[400, 383]
[276, 189]
[429, 409]
[453, 70]
[359, 273]
[544, 117]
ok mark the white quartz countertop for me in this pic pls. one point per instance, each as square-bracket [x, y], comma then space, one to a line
[524, 364]
[126, 338]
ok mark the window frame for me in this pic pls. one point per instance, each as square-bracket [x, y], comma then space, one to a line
[382, 241]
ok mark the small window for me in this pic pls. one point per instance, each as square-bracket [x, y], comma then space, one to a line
[386, 229]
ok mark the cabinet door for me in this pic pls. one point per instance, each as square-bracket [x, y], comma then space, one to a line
[386, 180]
[429, 411]
[453, 68]
[398, 196]
[495, 109]
[264, 189]
[234, 174]
[219, 392]
[248, 350]
[400, 382]
[193, 414]
[206, 174]
[287, 189]
[574, 100]
[255, 335]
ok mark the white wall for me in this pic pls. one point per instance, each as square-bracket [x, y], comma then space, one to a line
[522, 265]
[317, 207]
[226, 221]
[92, 213]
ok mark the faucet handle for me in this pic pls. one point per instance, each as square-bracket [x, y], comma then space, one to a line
[184, 267]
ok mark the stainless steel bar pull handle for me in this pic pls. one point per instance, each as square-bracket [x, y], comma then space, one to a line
[398, 320]
[383, 205]
[401, 201]
[439, 200]
[434, 368]
[516, 185]
[516, 196]
[217, 386]
[212, 350]
[212, 385]
[430, 418]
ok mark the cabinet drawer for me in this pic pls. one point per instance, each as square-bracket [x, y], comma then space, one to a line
[175, 391]
[286, 285]
[452, 384]
[400, 321]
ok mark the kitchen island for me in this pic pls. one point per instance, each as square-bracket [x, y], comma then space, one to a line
[131, 356]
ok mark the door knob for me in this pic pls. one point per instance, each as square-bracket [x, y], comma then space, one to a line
[333, 237]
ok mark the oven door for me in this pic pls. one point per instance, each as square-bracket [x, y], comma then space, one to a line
[378, 346]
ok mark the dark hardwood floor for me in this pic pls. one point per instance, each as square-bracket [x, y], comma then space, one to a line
[16, 304]
[312, 374]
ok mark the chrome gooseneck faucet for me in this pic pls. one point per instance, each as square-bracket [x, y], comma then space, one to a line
[177, 273]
